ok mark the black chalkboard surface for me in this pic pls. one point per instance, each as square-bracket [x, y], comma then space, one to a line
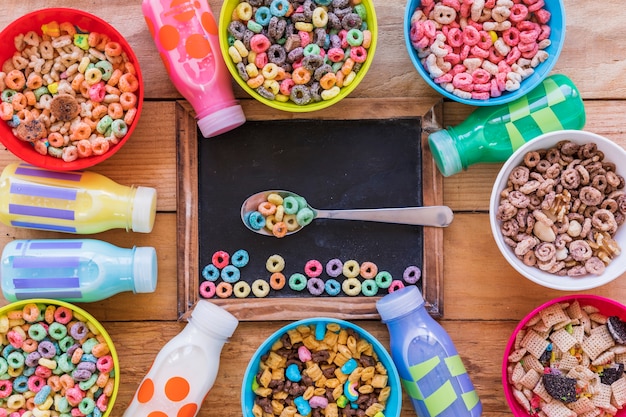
[337, 164]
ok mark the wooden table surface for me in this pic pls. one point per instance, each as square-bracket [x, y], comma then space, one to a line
[483, 296]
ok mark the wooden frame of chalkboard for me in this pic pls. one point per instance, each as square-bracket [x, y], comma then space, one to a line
[427, 112]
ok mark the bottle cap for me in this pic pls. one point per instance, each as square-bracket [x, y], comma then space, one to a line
[214, 319]
[144, 209]
[145, 269]
[221, 121]
[445, 153]
[399, 303]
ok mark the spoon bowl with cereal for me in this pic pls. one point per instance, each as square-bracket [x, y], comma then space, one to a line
[281, 213]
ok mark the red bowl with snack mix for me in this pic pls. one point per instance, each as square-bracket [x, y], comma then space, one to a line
[71, 89]
[566, 357]
[557, 210]
[484, 52]
[324, 363]
[57, 356]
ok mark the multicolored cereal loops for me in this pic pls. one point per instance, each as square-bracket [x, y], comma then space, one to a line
[480, 49]
[280, 213]
[321, 368]
[69, 93]
[302, 52]
[54, 361]
[222, 279]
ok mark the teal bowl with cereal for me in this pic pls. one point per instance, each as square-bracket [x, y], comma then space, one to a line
[324, 363]
[74, 111]
[551, 360]
[528, 36]
[318, 51]
[51, 346]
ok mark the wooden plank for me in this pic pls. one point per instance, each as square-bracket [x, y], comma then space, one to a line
[124, 306]
[482, 283]
[276, 308]
[477, 342]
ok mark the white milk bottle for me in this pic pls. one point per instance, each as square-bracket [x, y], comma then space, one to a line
[184, 370]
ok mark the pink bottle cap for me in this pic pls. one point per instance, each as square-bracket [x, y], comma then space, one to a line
[221, 121]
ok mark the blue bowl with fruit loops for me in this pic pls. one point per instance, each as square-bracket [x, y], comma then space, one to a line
[349, 366]
[484, 53]
[318, 51]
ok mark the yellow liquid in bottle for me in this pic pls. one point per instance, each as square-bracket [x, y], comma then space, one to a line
[72, 202]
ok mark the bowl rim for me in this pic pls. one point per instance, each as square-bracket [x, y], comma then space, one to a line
[533, 274]
[224, 21]
[528, 85]
[47, 301]
[380, 350]
[19, 148]
[595, 300]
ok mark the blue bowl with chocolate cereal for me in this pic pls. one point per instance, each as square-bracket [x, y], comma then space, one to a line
[307, 351]
[466, 62]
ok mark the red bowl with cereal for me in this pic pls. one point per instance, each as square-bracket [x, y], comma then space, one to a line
[557, 210]
[56, 356]
[71, 89]
[305, 359]
[484, 52]
[565, 358]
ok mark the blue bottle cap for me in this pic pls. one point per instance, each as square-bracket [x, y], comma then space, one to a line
[145, 269]
[399, 303]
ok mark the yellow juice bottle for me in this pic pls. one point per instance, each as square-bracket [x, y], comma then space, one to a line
[80, 202]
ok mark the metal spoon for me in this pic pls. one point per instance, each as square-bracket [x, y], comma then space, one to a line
[437, 216]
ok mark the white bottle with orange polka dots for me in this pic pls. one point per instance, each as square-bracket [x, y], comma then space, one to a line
[184, 370]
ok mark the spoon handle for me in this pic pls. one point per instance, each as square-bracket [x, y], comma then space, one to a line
[439, 216]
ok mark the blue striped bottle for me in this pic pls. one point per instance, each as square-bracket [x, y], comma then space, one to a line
[75, 270]
[431, 370]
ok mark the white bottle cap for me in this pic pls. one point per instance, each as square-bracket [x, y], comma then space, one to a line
[144, 269]
[144, 209]
[445, 153]
[399, 303]
[214, 319]
[221, 121]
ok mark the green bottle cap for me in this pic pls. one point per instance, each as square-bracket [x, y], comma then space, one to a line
[445, 153]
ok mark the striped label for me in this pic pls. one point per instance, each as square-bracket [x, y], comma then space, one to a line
[540, 116]
[47, 276]
[27, 192]
[440, 399]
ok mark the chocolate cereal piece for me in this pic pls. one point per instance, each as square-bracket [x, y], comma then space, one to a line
[612, 374]
[31, 130]
[64, 107]
[560, 387]
[617, 328]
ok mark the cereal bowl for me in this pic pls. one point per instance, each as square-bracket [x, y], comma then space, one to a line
[437, 78]
[50, 135]
[562, 213]
[329, 332]
[232, 12]
[580, 305]
[39, 335]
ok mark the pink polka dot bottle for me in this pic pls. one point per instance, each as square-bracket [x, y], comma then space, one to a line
[185, 369]
[186, 35]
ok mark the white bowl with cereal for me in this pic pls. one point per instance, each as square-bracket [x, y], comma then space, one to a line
[71, 89]
[557, 210]
[565, 359]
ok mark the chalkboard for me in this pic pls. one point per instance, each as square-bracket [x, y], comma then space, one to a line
[337, 164]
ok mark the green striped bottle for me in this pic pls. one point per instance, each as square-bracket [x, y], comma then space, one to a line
[492, 134]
